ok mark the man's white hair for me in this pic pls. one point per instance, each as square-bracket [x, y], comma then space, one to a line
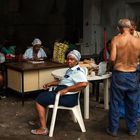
[124, 23]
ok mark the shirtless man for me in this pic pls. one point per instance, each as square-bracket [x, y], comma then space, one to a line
[125, 50]
[135, 33]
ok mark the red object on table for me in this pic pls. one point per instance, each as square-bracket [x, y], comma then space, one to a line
[105, 57]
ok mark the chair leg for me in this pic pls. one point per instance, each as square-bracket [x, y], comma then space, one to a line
[53, 122]
[54, 114]
[73, 116]
[77, 112]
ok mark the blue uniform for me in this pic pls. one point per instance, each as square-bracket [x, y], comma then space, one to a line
[72, 76]
[124, 88]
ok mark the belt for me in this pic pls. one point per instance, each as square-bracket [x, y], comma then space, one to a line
[124, 71]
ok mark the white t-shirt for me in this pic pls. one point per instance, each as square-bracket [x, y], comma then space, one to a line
[29, 53]
[2, 58]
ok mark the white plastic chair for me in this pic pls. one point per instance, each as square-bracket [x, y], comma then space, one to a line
[75, 110]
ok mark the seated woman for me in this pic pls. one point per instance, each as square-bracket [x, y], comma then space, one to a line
[74, 80]
[36, 52]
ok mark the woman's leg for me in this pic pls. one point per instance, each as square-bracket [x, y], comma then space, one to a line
[42, 117]
[42, 114]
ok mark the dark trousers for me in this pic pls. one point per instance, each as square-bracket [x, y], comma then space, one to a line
[48, 97]
[122, 107]
[124, 88]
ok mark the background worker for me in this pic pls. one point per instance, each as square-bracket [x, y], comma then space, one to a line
[35, 52]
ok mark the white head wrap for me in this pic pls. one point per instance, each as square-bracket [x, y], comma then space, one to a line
[76, 54]
[36, 41]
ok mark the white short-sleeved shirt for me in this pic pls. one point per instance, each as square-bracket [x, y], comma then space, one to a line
[73, 75]
[2, 58]
[29, 53]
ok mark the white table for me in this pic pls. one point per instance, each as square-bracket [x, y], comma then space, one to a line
[60, 73]
[105, 79]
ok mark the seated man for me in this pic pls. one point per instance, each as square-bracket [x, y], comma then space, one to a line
[74, 80]
[2, 60]
[35, 52]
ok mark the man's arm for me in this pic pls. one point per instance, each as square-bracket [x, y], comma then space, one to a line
[113, 52]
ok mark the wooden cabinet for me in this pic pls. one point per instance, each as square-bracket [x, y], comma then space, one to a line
[45, 77]
[25, 77]
[14, 80]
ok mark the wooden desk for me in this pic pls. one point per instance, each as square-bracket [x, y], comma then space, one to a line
[25, 77]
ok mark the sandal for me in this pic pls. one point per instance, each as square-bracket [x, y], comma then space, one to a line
[40, 131]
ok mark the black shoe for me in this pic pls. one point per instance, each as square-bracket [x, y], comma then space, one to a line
[113, 134]
[134, 133]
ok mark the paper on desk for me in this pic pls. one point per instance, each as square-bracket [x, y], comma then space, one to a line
[36, 62]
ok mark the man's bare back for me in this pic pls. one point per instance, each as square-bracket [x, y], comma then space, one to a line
[125, 51]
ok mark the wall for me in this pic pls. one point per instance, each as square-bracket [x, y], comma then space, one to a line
[23, 20]
[91, 26]
[100, 14]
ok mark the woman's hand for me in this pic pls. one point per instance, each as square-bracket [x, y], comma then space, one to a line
[63, 91]
[46, 86]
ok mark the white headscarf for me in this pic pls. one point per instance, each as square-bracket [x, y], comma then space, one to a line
[76, 54]
[36, 41]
